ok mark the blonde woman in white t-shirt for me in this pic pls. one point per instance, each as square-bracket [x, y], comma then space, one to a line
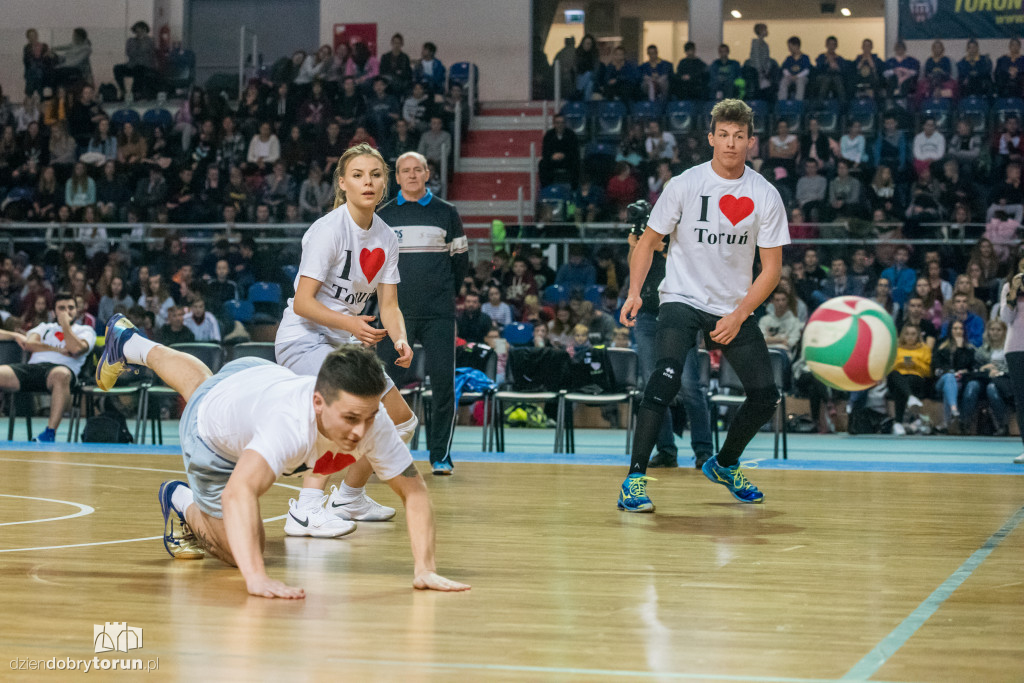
[347, 256]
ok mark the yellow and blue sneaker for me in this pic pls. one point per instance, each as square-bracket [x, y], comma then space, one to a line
[180, 542]
[733, 479]
[112, 361]
[633, 495]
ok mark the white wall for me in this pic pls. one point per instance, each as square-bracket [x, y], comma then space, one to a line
[106, 21]
[494, 35]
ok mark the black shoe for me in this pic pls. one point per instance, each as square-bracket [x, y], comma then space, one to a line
[1001, 431]
[700, 459]
[663, 459]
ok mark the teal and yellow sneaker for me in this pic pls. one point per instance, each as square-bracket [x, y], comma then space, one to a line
[733, 479]
[633, 496]
[112, 361]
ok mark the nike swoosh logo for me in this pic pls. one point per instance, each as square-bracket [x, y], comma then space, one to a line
[338, 505]
[303, 522]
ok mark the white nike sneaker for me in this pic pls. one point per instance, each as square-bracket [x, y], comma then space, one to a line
[362, 509]
[898, 429]
[1019, 460]
[914, 402]
[315, 521]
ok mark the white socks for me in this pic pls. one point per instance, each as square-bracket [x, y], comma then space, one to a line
[310, 497]
[137, 348]
[347, 493]
[181, 499]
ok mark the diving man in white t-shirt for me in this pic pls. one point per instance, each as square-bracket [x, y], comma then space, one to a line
[718, 216]
[254, 421]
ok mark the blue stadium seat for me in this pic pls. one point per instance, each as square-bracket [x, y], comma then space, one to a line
[576, 118]
[264, 292]
[644, 110]
[611, 118]
[705, 116]
[290, 272]
[123, 116]
[1004, 107]
[681, 117]
[829, 116]
[593, 294]
[940, 109]
[599, 161]
[239, 310]
[181, 72]
[865, 111]
[555, 294]
[518, 334]
[975, 111]
[761, 112]
[460, 73]
[790, 111]
[157, 118]
[555, 197]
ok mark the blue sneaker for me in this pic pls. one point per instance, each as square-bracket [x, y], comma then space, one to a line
[112, 361]
[443, 468]
[180, 543]
[733, 479]
[46, 436]
[633, 496]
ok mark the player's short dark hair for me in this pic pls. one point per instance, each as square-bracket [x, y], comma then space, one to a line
[794, 40]
[690, 45]
[351, 368]
[63, 296]
[733, 111]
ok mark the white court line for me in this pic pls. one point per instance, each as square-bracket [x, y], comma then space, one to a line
[82, 510]
[116, 467]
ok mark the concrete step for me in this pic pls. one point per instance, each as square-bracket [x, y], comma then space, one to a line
[494, 164]
[521, 122]
[494, 209]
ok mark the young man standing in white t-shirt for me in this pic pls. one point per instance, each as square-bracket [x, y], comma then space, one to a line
[254, 421]
[59, 350]
[716, 215]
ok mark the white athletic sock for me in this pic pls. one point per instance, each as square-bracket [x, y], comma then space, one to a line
[310, 497]
[137, 348]
[181, 499]
[347, 493]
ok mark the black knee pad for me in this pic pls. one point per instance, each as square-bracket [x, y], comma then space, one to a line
[764, 400]
[663, 384]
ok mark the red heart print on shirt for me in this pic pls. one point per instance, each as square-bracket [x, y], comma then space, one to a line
[371, 262]
[329, 463]
[59, 336]
[736, 208]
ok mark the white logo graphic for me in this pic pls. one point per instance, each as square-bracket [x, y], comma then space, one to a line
[117, 636]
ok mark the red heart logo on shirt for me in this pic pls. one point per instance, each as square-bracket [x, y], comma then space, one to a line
[329, 463]
[59, 336]
[736, 208]
[371, 262]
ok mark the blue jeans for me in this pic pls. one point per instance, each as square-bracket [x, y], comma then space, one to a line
[691, 394]
[948, 387]
[585, 84]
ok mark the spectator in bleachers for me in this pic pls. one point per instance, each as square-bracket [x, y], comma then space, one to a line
[131, 146]
[901, 71]
[316, 196]
[543, 275]
[362, 136]
[383, 109]
[838, 283]
[844, 193]
[811, 189]
[36, 58]
[796, 69]
[416, 108]
[330, 146]
[116, 297]
[901, 277]
[891, 147]
[578, 273]
[182, 203]
[220, 289]
[151, 192]
[829, 77]
[1008, 194]
[92, 235]
[910, 378]
[929, 145]
[783, 148]
[264, 148]
[497, 309]
[156, 299]
[278, 190]
[974, 72]
[914, 314]
[429, 70]
[202, 323]
[313, 67]
[965, 148]
[46, 199]
[963, 285]
[657, 182]
[853, 147]
[59, 350]
[362, 66]
[931, 299]
[954, 363]
[816, 145]
[286, 69]
[1009, 72]
[862, 269]
[84, 115]
[27, 113]
[395, 66]
[350, 107]
[600, 327]
[141, 65]
[659, 144]
[587, 64]
[620, 78]
[80, 189]
[560, 327]
[938, 64]
[780, 326]
[102, 145]
[654, 74]
[279, 107]
[560, 155]
[760, 58]
[1003, 231]
[61, 147]
[692, 75]
[867, 71]
[73, 59]
[315, 111]
[974, 326]
[436, 142]
[472, 323]
[296, 151]
[723, 74]
[991, 358]
[623, 188]
[174, 331]
[518, 284]
[610, 271]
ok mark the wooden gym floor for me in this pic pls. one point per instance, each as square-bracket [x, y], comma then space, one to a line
[850, 575]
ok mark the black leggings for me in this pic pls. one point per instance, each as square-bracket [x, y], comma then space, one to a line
[902, 387]
[1015, 364]
[678, 326]
[817, 393]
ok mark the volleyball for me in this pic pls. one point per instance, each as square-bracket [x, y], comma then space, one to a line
[850, 343]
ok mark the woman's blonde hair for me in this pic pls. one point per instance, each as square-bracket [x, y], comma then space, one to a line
[351, 153]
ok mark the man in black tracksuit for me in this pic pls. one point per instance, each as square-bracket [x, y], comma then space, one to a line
[433, 261]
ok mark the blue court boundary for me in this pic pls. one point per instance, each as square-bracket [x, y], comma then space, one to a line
[613, 460]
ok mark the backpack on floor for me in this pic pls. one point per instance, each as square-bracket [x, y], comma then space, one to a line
[110, 426]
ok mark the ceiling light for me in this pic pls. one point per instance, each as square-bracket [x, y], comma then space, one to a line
[845, 11]
[736, 14]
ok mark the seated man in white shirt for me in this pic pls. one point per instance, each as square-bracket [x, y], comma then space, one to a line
[58, 351]
[203, 325]
[254, 421]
